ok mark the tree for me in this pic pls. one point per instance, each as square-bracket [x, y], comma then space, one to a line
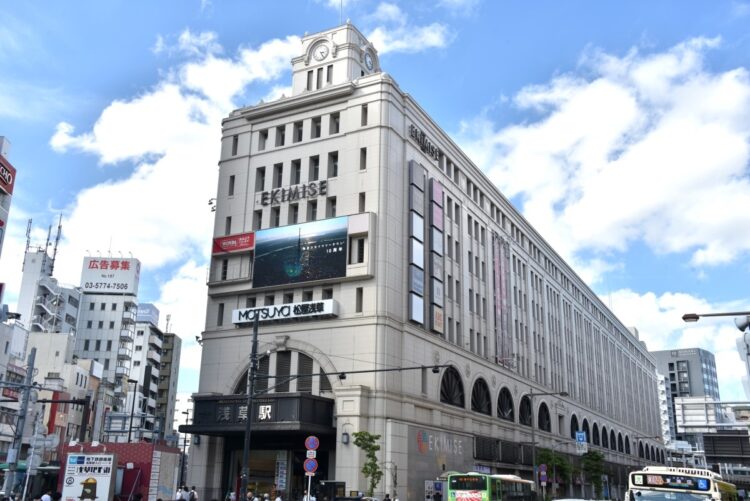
[371, 470]
[592, 464]
[555, 462]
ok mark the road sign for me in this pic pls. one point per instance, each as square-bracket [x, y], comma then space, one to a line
[543, 483]
[542, 467]
[310, 465]
[312, 443]
[309, 474]
[311, 454]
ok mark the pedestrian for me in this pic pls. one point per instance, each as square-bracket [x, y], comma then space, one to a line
[278, 496]
[437, 496]
[387, 497]
[47, 496]
[193, 495]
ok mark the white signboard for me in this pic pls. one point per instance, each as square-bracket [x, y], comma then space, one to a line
[280, 312]
[107, 275]
[582, 446]
[89, 476]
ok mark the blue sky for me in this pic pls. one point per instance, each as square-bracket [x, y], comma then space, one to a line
[621, 130]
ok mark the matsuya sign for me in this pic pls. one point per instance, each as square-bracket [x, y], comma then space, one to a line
[290, 311]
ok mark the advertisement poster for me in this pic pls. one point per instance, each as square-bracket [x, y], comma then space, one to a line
[233, 243]
[89, 476]
[109, 275]
[301, 252]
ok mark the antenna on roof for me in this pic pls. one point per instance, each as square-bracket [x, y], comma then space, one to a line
[57, 241]
[46, 246]
[169, 317]
[28, 243]
[341, 11]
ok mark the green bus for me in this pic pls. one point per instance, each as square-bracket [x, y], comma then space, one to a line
[475, 486]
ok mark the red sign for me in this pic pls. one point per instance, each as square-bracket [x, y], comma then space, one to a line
[234, 243]
[7, 176]
[312, 443]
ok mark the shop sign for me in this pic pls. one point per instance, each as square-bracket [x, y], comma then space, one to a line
[291, 311]
[427, 146]
[7, 176]
[298, 192]
[234, 243]
[89, 476]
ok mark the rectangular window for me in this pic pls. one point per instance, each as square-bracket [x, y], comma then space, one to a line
[278, 175]
[91, 306]
[312, 210]
[296, 171]
[315, 132]
[269, 300]
[235, 142]
[328, 293]
[228, 225]
[334, 123]
[230, 191]
[364, 115]
[331, 207]
[275, 217]
[329, 74]
[319, 79]
[89, 324]
[224, 269]
[257, 219]
[111, 324]
[260, 179]
[314, 169]
[114, 306]
[98, 346]
[362, 158]
[109, 345]
[362, 202]
[293, 213]
[106, 364]
[280, 135]
[449, 292]
[86, 345]
[288, 297]
[359, 300]
[262, 139]
[333, 164]
[297, 132]
[309, 85]
[103, 306]
[307, 295]
[357, 250]
[220, 315]
[100, 325]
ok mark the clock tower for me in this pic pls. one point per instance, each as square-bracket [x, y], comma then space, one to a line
[332, 57]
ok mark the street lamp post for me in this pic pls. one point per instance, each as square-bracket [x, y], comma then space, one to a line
[184, 449]
[533, 431]
[132, 408]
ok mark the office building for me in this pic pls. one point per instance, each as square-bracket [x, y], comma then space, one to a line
[168, 379]
[372, 249]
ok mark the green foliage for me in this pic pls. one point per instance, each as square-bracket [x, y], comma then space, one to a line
[592, 465]
[371, 470]
[556, 463]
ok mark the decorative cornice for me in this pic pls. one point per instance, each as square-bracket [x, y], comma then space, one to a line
[285, 104]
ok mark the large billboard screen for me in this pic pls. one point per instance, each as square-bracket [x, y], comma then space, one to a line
[110, 275]
[301, 252]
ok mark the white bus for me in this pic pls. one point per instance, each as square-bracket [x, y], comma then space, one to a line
[666, 483]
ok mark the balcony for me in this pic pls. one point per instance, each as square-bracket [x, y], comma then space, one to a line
[155, 341]
[127, 335]
[236, 272]
[154, 356]
[128, 317]
[124, 353]
[121, 370]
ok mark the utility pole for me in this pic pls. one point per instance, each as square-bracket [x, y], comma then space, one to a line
[20, 425]
[249, 419]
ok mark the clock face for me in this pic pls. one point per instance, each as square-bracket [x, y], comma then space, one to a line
[368, 61]
[320, 52]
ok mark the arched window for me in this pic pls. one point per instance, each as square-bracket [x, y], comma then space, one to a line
[595, 434]
[653, 453]
[505, 405]
[612, 440]
[480, 398]
[544, 422]
[619, 442]
[573, 426]
[640, 450]
[452, 389]
[605, 438]
[585, 429]
[524, 411]
[282, 361]
[662, 457]
[627, 445]
[261, 383]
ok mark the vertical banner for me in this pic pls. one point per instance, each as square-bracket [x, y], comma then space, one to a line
[503, 335]
[437, 320]
[417, 240]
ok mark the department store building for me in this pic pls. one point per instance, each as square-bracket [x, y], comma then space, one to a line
[364, 239]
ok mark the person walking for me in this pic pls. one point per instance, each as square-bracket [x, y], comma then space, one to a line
[193, 495]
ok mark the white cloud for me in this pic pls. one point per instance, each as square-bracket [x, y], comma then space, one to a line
[632, 148]
[660, 325]
[395, 34]
[158, 212]
[190, 44]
